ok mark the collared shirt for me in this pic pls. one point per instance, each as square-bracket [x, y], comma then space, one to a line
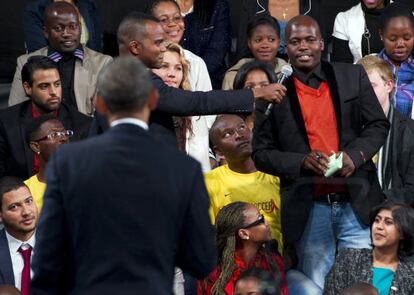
[66, 65]
[17, 258]
[312, 79]
[133, 121]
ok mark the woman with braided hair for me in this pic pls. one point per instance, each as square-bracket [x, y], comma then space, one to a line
[243, 240]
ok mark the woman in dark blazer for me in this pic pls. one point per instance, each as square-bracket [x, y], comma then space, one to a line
[33, 24]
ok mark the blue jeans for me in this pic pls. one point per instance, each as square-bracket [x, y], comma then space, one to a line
[329, 227]
[299, 284]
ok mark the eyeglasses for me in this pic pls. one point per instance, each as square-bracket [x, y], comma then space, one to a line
[260, 220]
[57, 135]
[165, 21]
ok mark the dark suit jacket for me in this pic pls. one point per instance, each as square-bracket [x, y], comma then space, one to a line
[6, 267]
[280, 143]
[402, 161]
[137, 209]
[177, 102]
[16, 157]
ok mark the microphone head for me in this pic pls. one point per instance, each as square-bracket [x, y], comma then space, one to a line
[286, 70]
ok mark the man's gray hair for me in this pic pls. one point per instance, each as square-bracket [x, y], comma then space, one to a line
[124, 85]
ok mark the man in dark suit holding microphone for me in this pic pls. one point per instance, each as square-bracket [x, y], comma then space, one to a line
[117, 217]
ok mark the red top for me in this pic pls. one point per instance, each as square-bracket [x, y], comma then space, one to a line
[321, 127]
[319, 116]
[204, 286]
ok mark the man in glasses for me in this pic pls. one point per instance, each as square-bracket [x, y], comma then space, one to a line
[239, 179]
[41, 82]
[44, 135]
[78, 65]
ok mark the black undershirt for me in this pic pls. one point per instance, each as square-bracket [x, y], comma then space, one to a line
[67, 72]
[373, 22]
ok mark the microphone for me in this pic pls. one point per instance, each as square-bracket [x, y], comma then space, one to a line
[284, 74]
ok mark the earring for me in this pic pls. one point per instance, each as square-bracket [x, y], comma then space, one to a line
[38, 152]
[247, 237]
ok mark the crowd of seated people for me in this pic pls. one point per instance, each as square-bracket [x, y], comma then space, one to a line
[310, 182]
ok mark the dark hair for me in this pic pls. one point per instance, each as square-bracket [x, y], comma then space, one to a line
[34, 63]
[155, 3]
[124, 85]
[394, 10]
[262, 20]
[403, 216]
[268, 284]
[7, 184]
[245, 69]
[133, 27]
[35, 124]
[229, 220]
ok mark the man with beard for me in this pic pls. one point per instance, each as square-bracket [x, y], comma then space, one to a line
[18, 213]
[41, 82]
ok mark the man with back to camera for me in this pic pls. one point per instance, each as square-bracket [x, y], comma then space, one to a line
[151, 228]
[329, 108]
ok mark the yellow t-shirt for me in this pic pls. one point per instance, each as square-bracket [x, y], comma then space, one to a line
[37, 189]
[225, 186]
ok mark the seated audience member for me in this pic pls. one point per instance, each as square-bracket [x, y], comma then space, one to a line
[258, 282]
[254, 74]
[360, 289]
[9, 290]
[356, 31]
[242, 238]
[18, 213]
[263, 34]
[386, 266]
[397, 33]
[395, 159]
[88, 17]
[192, 132]
[44, 135]
[78, 65]
[41, 83]
[146, 31]
[169, 14]
[207, 34]
[239, 180]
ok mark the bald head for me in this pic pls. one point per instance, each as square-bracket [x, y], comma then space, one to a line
[62, 27]
[302, 20]
[58, 8]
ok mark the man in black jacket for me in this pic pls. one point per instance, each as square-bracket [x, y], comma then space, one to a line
[141, 36]
[41, 82]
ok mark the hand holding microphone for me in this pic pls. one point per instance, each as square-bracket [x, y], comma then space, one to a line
[284, 74]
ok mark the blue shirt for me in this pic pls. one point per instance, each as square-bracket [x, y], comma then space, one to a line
[382, 279]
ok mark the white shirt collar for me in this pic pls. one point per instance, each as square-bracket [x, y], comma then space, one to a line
[133, 121]
[14, 244]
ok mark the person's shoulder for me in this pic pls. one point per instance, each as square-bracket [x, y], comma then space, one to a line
[24, 57]
[96, 56]
[13, 112]
[214, 173]
[356, 9]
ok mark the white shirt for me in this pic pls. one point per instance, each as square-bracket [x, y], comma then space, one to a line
[133, 121]
[17, 258]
